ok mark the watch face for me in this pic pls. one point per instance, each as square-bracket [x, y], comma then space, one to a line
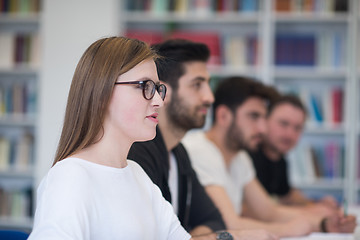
[224, 236]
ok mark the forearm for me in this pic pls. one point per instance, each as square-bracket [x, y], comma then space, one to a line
[203, 233]
[295, 197]
[243, 223]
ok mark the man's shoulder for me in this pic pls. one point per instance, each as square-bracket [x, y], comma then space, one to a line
[194, 137]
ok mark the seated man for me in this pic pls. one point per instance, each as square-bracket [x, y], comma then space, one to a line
[285, 123]
[225, 169]
[164, 159]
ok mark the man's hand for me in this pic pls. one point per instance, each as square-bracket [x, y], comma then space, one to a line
[321, 209]
[252, 235]
[299, 226]
[329, 201]
[340, 223]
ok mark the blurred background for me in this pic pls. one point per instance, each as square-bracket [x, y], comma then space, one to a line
[306, 47]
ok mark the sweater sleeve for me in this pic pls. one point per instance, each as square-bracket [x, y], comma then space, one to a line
[203, 211]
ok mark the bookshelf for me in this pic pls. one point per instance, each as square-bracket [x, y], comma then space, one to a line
[19, 67]
[320, 34]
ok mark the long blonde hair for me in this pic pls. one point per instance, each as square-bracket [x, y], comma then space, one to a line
[91, 88]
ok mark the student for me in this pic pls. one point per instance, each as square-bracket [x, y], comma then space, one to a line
[285, 123]
[92, 191]
[164, 159]
[227, 173]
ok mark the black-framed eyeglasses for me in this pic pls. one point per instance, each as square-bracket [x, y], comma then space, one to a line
[148, 88]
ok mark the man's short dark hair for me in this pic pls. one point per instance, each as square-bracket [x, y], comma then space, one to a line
[174, 53]
[234, 91]
[288, 99]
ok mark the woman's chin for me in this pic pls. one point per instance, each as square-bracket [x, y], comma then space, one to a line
[147, 137]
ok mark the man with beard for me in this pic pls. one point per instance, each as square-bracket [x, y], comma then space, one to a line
[285, 123]
[225, 169]
[164, 159]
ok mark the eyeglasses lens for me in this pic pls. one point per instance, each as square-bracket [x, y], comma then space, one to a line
[149, 89]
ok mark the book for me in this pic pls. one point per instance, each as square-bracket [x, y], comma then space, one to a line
[7, 48]
[2, 101]
[181, 6]
[34, 51]
[295, 49]
[234, 53]
[282, 5]
[159, 6]
[337, 105]
[326, 101]
[249, 5]
[315, 108]
[202, 7]
[19, 49]
[5, 153]
[23, 153]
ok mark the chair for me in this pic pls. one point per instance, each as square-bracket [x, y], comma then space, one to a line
[13, 235]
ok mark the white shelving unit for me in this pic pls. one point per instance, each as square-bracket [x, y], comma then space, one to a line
[265, 24]
[318, 77]
[17, 181]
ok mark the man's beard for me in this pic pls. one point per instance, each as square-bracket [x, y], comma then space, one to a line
[236, 141]
[181, 116]
[235, 138]
[274, 148]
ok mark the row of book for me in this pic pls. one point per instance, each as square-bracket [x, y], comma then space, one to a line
[241, 6]
[19, 49]
[16, 154]
[308, 163]
[17, 99]
[195, 6]
[311, 5]
[325, 106]
[323, 49]
[19, 6]
[16, 204]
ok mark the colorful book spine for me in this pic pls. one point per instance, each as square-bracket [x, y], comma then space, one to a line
[16, 203]
[18, 99]
[325, 106]
[193, 6]
[19, 6]
[309, 162]
[295, 50]
[315, 6]
[16, 153]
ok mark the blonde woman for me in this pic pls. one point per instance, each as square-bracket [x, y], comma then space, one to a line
[93, 191]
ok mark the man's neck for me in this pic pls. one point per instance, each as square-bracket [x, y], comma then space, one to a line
[271, 153]
[218, 138]
[171, 134]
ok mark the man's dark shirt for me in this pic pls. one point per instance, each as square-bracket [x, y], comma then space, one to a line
[271, 174]
[195, 206]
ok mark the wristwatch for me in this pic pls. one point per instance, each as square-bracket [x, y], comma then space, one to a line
[223, 235]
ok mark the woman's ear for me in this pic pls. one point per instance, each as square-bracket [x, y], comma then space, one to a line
[223, 115]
